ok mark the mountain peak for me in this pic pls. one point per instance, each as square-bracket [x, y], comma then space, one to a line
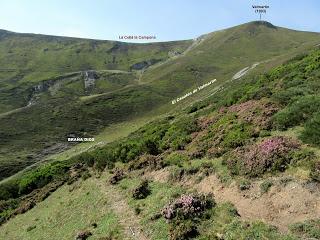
[262, 23]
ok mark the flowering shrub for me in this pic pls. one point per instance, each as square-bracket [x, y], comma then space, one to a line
[187, 206]
[273, 145]
[258, 113]
[271, 154]
[184, 213]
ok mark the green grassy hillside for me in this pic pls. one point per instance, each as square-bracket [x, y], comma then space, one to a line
[50, 72]
[32, 54]
[241, 164]
[27, 59]
[61, 105]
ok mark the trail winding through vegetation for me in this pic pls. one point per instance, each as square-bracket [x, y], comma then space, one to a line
[128, 219]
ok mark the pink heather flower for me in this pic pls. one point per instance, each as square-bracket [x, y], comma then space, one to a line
[185, 204]
[260, 157]
[276, 145]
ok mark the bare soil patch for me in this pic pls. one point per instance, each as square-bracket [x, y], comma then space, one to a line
[281, 206]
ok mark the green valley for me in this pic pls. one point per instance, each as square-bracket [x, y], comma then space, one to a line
[238, 159]
[92, 93]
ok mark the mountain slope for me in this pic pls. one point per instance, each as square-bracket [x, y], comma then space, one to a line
[254, 144]
[26, 59]
[224, 52]
[64, 106]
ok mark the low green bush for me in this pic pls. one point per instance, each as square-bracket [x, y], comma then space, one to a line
[35, 178]
[311, 131]
[7, 208]
[9, 189]
[237, 135]
[42, 176]
[178, 134]
[303, 156]
[244, 184]
[287, 96]
[265, 186]
[177, 159]
[87, 159]
[307, 229]
[298, 112]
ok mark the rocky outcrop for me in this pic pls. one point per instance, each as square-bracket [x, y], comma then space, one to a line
[144, 64]
[90, 78]
[51, 85]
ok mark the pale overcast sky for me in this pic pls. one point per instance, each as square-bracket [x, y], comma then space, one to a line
[166, 19]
